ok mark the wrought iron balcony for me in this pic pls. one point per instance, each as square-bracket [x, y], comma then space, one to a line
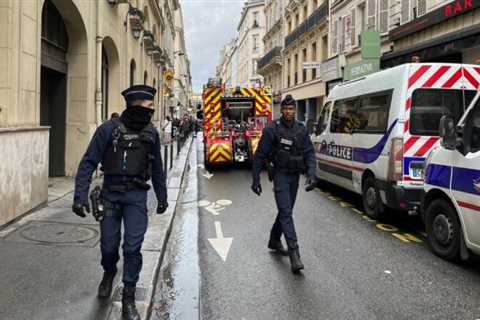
[318, 17]
[267, 59]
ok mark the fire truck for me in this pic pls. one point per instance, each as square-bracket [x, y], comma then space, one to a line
[233, 122]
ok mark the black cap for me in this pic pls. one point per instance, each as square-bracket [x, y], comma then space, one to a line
[288, 101]
[139, 92]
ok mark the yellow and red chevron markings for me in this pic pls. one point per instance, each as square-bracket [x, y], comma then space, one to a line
[220, 152]
[212, 108]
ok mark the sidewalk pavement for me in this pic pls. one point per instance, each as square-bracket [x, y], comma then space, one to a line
[50, 259]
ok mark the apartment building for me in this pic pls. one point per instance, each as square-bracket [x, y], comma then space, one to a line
[435, 31]
[227, 67]
[251, 30]
[63, 65]
[270, 65]
[305, 46]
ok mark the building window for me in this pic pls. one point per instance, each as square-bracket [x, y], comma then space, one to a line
[297, 19]
[314, 59]
[254, 67]
[304, 59]
[255, 20]
[255, 43]
[315, 4]
[145, 77]
[305, 12]
[133, 70]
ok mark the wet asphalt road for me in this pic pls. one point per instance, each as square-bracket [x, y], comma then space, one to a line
[355, 268]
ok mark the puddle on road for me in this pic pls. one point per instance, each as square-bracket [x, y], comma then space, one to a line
[178, 290]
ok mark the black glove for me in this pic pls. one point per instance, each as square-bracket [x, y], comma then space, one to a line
[162, 207]
[256, 187]
[79, 208]
[310, 183]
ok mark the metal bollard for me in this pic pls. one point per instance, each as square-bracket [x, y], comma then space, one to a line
[178, 146]
[165, 159]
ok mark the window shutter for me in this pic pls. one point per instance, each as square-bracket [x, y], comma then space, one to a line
[383, 16]
[405, 8]
[371, 15]
[353, 33]
[421, 7]
[341, 35]
[334, 38]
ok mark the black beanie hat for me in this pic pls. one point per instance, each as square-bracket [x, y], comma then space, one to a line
[288, 101]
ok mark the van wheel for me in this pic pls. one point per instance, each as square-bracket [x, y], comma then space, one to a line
[443, 230]
[372, 203]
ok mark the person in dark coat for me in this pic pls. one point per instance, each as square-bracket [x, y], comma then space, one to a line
[128, 149]
[288, 150]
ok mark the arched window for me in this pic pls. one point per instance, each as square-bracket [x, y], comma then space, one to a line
[133, 70]
[104, 85]
[145, 77]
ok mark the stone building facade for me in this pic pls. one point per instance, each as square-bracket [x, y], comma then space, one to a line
[251, 30]
[270, 65]
[63, 64]
[436, 31]
[306, 41]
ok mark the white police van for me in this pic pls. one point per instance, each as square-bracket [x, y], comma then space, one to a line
[374, 133]
[452, 187]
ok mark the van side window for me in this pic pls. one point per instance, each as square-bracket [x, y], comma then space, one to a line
[344, 117]
[373, 113]
[472, 129]
[323, 119]
[429, 105]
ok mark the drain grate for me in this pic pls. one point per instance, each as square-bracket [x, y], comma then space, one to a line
[56, 233]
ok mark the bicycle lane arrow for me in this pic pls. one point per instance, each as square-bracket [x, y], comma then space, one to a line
[220, 244]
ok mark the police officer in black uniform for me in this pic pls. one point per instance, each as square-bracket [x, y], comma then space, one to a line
[128, 149]
[289, 152]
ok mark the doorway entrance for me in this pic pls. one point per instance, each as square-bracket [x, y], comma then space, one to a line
[53, 85]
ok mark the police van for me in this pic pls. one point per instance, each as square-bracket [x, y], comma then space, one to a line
[374, 133]
[452, 187]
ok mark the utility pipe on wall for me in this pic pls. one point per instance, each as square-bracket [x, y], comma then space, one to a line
[98, 80]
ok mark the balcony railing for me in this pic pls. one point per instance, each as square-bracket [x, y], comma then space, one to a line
[266, 59]
[317, 17]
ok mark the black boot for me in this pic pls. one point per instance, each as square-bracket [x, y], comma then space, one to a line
[277, 246]
[294, 254]
[129, 311]
[105, 287]
[295, 261]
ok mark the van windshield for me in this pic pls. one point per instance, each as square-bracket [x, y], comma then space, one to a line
[429, 105]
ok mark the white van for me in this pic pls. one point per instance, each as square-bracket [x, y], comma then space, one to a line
[452, 187]
[374, 133]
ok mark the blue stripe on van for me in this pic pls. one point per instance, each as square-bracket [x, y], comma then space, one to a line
[371, 154]
[466, 180]
[438, 175]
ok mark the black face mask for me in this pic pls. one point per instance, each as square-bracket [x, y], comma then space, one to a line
[136, 117]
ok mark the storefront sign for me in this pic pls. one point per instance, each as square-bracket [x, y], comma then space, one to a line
[370, 44]
[448, 11]
[360, 69]
[330, 69]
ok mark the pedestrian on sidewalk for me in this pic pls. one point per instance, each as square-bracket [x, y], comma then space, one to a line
[128, 149]
[288, 150]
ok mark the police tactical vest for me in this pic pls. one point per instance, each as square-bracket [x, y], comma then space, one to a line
[131, 152]
[289, 147]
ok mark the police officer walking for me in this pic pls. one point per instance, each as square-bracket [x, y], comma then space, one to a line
[128, 149]
[289, 152]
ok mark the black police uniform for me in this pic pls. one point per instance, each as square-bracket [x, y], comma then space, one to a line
[129, 157]
[289, 148]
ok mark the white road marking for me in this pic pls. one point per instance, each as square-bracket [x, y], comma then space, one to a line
[203, 203]
[220, 244]
[224, 202]
[207, 175]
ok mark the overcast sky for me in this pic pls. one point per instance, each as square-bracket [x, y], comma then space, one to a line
[209, 24]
